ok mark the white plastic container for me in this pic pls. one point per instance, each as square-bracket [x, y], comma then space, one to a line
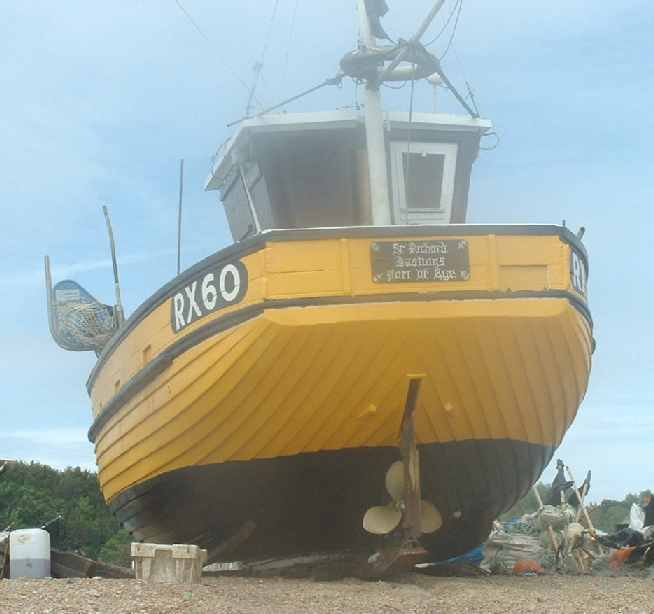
[29, 553]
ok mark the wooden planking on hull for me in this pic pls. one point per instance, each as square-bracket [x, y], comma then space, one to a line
[291, 266]
[298, 391]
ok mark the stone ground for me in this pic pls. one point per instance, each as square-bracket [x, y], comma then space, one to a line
[408, 594]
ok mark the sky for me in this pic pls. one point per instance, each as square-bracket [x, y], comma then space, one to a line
[100, 100]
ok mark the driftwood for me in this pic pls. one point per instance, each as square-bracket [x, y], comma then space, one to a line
[71, 565]
[323, 566]
[4, 556]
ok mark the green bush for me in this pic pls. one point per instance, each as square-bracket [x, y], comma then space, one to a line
[33, 494]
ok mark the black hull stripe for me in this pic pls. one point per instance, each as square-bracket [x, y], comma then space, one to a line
[161, 362]
[315, 501]
[256, 243]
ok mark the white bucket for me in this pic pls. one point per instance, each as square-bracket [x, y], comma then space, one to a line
[29, 553]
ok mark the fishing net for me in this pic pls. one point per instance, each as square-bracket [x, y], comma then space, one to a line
[86, 324]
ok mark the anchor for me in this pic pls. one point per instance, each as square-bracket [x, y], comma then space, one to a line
[407, 517]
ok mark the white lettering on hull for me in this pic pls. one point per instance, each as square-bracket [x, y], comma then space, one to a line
[203, 296]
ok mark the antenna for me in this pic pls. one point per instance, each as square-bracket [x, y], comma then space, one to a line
[258, 65]
[179, 216]
[119, 314]
[257, 68]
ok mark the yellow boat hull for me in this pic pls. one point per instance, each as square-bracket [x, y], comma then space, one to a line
[308, 375]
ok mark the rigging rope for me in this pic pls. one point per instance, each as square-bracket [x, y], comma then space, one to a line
[471, 96]
[191, 20]
[456, 24]
[446, 24]
[494, 145]
[199, 30]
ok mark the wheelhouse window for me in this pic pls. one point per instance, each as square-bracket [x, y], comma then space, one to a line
[423, 182]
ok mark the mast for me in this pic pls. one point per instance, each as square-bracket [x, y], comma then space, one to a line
[374, 115]
[375, 136]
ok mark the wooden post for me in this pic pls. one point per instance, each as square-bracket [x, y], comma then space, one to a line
[582, 507]
[534, 489]
[581, 501]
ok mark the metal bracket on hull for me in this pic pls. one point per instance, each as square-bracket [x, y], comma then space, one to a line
[412, 521]
[407, 517]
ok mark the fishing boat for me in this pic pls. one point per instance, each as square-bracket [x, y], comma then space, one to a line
[361, 366]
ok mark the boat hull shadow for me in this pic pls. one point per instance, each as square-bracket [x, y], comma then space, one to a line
[315, 502]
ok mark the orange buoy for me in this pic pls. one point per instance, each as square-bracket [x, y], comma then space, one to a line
[619, 557]
[527, 566]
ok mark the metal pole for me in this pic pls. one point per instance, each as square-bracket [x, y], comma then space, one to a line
[248, 194]
[118, 308]
[436, 82]
[53, 321]
[375, 135]
[427, 22]
[179, 216]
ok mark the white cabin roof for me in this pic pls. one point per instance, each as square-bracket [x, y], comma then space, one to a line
[290, 122]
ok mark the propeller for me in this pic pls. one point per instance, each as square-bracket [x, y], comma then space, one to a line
[383, 519]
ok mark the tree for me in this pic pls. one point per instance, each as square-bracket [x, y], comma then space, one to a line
[33, 494]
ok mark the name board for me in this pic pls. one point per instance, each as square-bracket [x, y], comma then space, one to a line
[420, 261]
[208, 292]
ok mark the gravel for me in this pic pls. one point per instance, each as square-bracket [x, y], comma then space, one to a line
[409, 594]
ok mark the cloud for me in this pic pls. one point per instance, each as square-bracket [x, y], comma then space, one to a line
[613, 440]
[56, 436]
[36, 277]
[58, 447]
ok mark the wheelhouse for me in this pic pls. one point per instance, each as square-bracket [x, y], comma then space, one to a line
[311, 170]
